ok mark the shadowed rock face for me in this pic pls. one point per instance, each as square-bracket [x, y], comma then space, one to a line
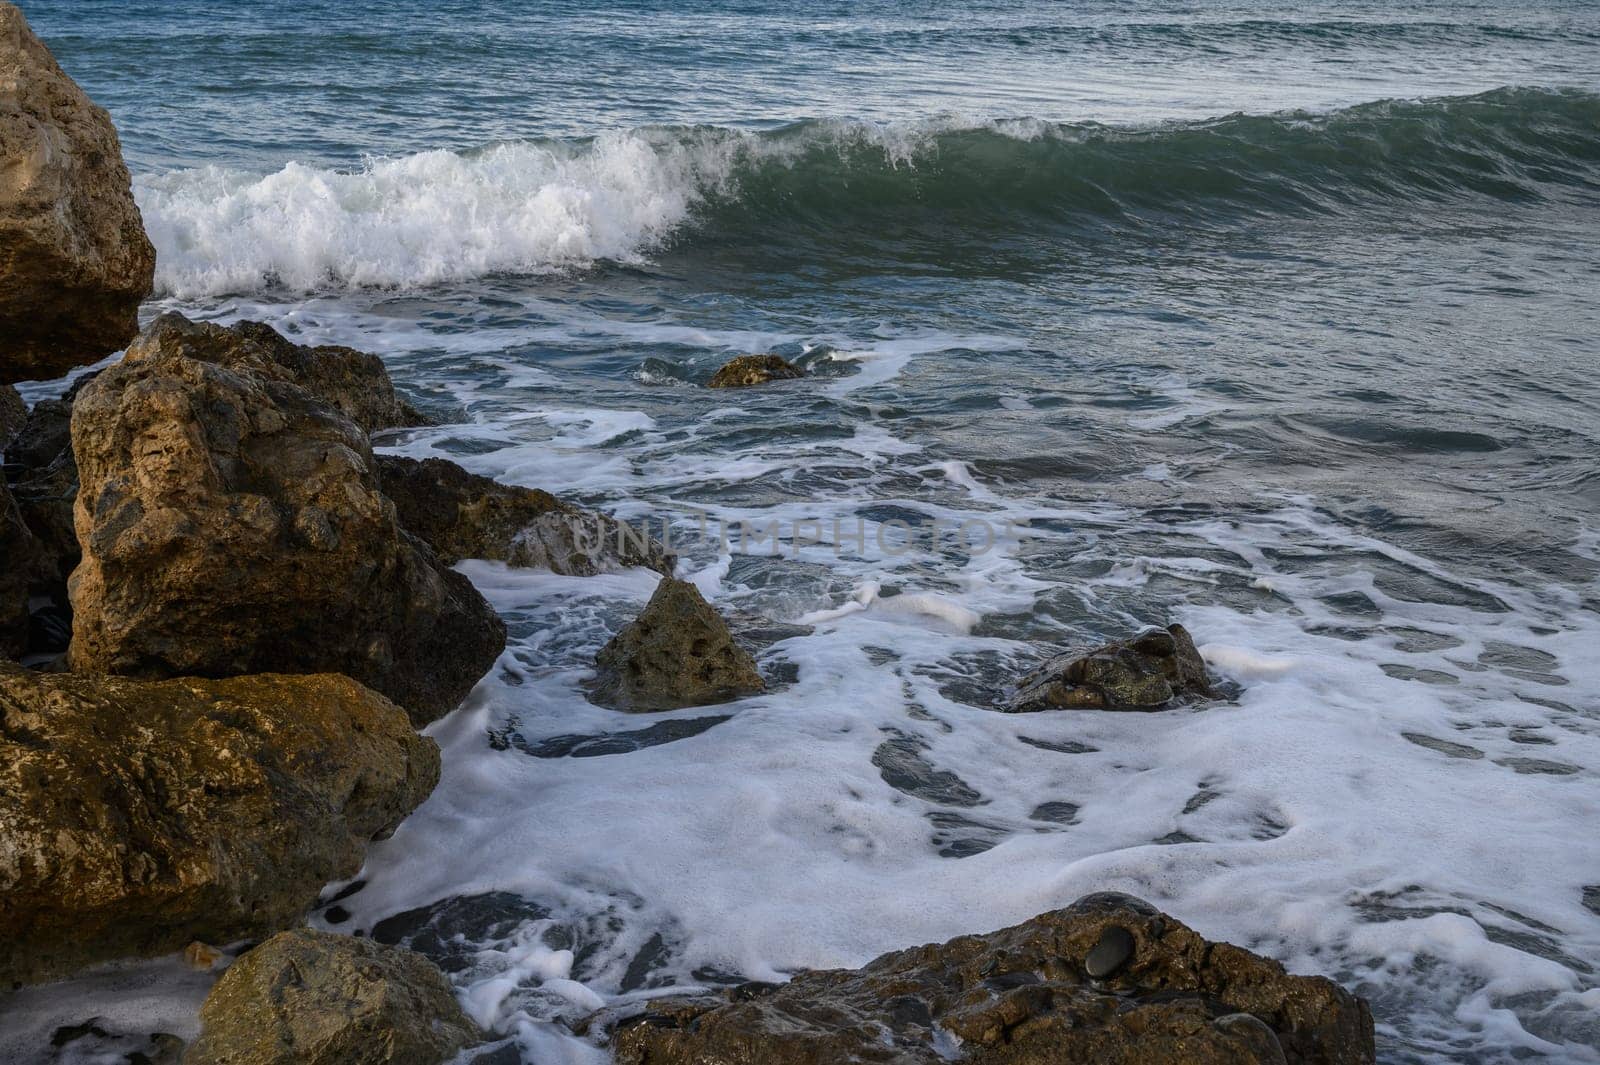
[1155, 669]
[353, 382]
[462, 515]
[141, 816]
[232, 523]
[19, 552]
[747, 370]
[74, 258]
[13, 415]
[315, 998]
[1107, 981]
[678, 652]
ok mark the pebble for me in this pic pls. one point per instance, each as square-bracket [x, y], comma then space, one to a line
[1111, 953]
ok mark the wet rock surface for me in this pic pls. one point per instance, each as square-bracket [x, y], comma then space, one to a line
[1154, 670]
[232, 523]
[353, 382]
[747, 370]
[74, 258]
[678, 652]
[1023, 996]
[462, 515]
[316, 998]
[140, 817]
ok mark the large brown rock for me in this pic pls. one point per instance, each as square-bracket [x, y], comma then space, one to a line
[232, 523]
[678, 652]
[315, 998]
[1107, 981]
[1154, 670]
[462, 515]
[353, 382]
[74, 258]
[137, 817]
[747, 370]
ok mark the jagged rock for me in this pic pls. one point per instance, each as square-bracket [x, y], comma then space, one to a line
[137, 817]
[316, 998]
[232, 523]
[18, 561]
[1155, 669]
[74, 258]
[13, 415]
[1023, 996]
[354, 382]
[462, 515]
[678, 652]
[747, 370]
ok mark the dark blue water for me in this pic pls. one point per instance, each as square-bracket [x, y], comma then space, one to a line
[1278, 321]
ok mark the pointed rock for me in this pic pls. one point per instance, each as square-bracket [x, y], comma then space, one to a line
[678, 652]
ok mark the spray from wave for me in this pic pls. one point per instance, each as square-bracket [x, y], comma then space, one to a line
[543, 205]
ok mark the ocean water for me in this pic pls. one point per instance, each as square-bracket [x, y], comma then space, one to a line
[1276, 320]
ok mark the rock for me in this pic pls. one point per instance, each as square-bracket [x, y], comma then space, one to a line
[747, 370]
[74, 258]
[462, 515]
[141, 816]
[316, 998]
[13, 415]
[1022, 996]
[18, 560]
[232, 523]
[678, 652]
[354, 382]
[1149, 672]
[1110, 953]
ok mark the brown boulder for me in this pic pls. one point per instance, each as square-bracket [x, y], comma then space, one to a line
[315, 998]
[354, 382]
[74, 258]
[462, 515]
[678, 652]
[747, 370]
[232, 523]
[1106, 981]
[137, 817]
[1154, 670]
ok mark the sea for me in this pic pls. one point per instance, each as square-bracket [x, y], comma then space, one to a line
[1276, 320]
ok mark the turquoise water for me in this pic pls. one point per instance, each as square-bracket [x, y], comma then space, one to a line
[1279, 322]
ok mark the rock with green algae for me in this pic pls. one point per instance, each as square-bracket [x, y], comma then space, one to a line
[1154, 670]
[137, 817]
[747, 370]
[316, 998]
[678, 652]
[1107, 981]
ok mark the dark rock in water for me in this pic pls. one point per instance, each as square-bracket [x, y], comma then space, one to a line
[452, 932]
[1021, 996]
[747, 370]
[462, 515]
[605, 743]
[232, 523]
[13, 415]
[1156, 669]
[317, 998]
[678, 652]
[1111, 953]
[74, 258]
[139, 816]
[46, 433]
[355, 383]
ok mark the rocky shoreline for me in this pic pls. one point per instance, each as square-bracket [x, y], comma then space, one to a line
[224, 617]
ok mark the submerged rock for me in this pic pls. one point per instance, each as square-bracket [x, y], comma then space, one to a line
[232, 523]
[747, 370]
[316, 998]
[462, 515]
[74, 258]
[354, 382]
[1024, 996]
[139, 817]
[1155, 669]
[678, 652]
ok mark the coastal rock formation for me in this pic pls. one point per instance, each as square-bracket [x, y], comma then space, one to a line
[353, 382]
[232, 523]
[678, 652]
[1156, 669]
[18, 553]
[461, 515]
[315, 998]
[74, 258]
[747, 370]
[1107, 981]
[13, 415]
[141, 816]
